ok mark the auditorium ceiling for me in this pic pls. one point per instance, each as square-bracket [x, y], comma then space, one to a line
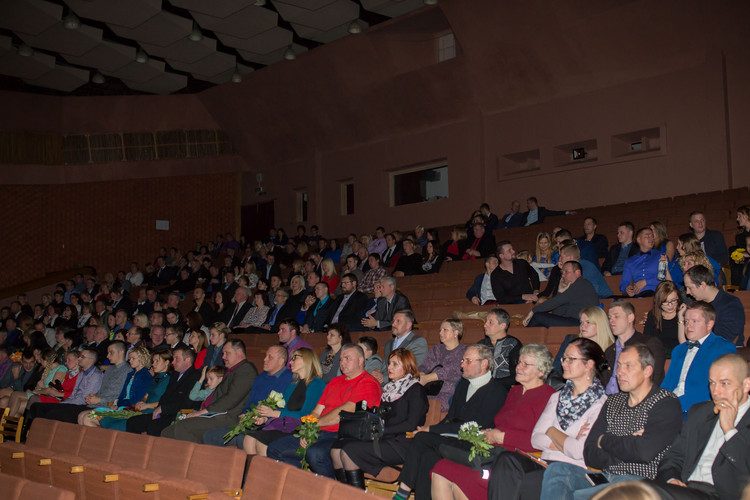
[115, 47]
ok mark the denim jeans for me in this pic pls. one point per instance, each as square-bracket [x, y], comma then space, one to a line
[318, 454]
[565, 481]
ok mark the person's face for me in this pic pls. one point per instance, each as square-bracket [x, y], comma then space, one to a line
[630, 374]
[531, 204]
[272, 362]
[669, 306]
[157, 336]
[285, 333]
[588, 328]
[400, 325]
[408, 247]
[696, 325]
[231, 356]
[275, 282]
[180, 362]
[113, 355]
[396, 369]
[365, 349]
[240, 296]
[298, 365]
[387, 288]
[377, 290]
[198, 294]
[490, 264]
[347, 285]
[743, 220]
[589, 227]
[171, 337]
[515, 206]
[212, 381]
[121, 318]
[472, 364]
[111, 321]
[619, 321]
[569, 274]
[726, 386]
[698, 223]
[378, 233]
[131, 337]
[574, 366]
[71, 362]
[478, 230]
[526, 370]
[151, 295]
[351, 363]
[134, 361]
[280, 298]
[624, 235]
[447, 334]
[321, 291]
[698, 292]
[506, 253]
[492, 327]
[333, 337]
[85, 360]
[544, 244]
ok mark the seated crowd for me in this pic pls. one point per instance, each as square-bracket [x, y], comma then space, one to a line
[121, 354]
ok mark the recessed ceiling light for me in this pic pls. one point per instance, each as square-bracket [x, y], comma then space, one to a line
[97, 78]
[196, 34]
[141, 56]
[71, 22]
[25, 51]
[290, 54]
[355, 27]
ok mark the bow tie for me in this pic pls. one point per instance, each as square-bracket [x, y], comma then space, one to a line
[646, 253]
[691, 344]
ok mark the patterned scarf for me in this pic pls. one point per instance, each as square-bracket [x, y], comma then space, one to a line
[570, 408]
[396, 388]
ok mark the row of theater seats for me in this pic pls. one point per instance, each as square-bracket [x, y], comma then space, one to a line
[18, 488]
[96, 463]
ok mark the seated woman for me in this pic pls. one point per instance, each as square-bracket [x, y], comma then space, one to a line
[256, 316]
[297, 292]
[513, 425]
[738, 261]
[408, 409]
[199, 342]
[300, 396]
[329, 274]
[687, 244]
[662, 244]
[53, 374]
[136, 384]
[333, 251]
[337, 336]
[443, 362]
[454, 248]
[543, 254]
[594, 325]
[56, 393]
[560, 432]
[161, 364]
[431, 258]
[662, 321]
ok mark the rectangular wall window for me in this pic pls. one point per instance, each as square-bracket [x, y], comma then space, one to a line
[420, 184]
[302, 201]
[347, 198]
[446, 47]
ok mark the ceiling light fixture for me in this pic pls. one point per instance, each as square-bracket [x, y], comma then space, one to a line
[97, 78]
[25, 51]
[355, 27]
[71, 22]
[259, 3]
[236, 77]
[430, 2]
[290, 54]
[141, 56]
[196, 34]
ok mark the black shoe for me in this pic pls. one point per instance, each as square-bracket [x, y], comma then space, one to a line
[356, 478]
[340, 475]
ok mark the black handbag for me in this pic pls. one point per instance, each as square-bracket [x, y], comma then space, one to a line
[360, 425]
[458, 451]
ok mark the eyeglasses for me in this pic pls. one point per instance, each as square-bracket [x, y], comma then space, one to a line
[466, 361]
[296, 356]
[670, 302]
[525, 364]
[570, 359]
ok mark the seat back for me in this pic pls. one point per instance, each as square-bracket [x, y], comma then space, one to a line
[268, 476]
[217, 468]
[170, 457]
[67, 438]
[131, 450]
[97, 444]
[11, 486]
[36, 491]
[302, 484]
[41, 433]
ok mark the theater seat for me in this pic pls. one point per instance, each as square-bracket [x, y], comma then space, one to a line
[67, 439]
[302, 484]
[40, 438]
[266, 477]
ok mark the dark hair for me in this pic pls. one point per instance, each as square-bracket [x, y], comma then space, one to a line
[564, 233]
[532, 198]
[645, 228]
[370, 342]
[292, 324]
[408, 313]
[343, 332]
[575, 265]
[590, 350]
[701, 274]
[119, 345]
[709, 313]
[592, 220]
[186, 351]
[351, 277]
[663, 291]
[263, 296]
[501, 315]
[627, 225]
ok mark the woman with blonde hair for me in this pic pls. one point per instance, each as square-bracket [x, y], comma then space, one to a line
[593, 325]
[300, 397]
[661, 241]
[544, 252]
[454, 248]
[688, 243]
[329, 274]
[53, 372]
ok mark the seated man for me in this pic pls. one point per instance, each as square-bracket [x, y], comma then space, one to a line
[514, 280]
[108, 391]
[730, 315]
[478, 397]
[350, 266]
[505, 348]
[403, 321]
[490, 220]
[639, 276]
[317, 315]
[614, 262]
[373, 275]
[692, 359]
[571, 252]
[710, 458]
[289, 338]
[349, 307]
[281, 311]
[387, 305]
[392, 250]
[227, 400]
[480, 292]
[19, 375]
[712, 242]
[480, 244]
[275, 377]
[176, 396]
[629, 438]
[514, 218]
[599, 241]
[410, 263]
[341, 394]
[537, 214]
[563, 308]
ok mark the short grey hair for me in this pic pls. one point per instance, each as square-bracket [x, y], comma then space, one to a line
[542, 357]
[484, 352]
[390, 280]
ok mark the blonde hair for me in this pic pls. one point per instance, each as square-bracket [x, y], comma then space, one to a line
[699, 259]
[627, 490]
[524, 255]
[312, 364]
[598, 317]
[329, 264]
[539, 254]
[143, 354]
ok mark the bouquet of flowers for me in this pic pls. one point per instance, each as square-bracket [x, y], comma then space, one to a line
[123, 413]
[16, 357]
[273, 401]
[309, 430]
[738, 255]
[471, 432]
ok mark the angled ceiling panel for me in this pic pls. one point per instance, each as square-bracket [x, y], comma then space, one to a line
[183, 50]
[165, 83]
[392, 8]
[63, 78]
[263, 43]
[216, 63]
[216, 8]
[106, 56]
[325, 36]
[163, 29]
[139, 72]
[325, 18]
[126, 13]
[29, 16]
[303, 4]
[272, 57]
[28, 68]
[225, 76]
[57, 38]
[242, 24]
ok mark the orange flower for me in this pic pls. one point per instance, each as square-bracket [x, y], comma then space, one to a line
[309, 419]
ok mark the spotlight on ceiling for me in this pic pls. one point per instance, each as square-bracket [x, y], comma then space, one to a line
[290, 54]
[71, 22]
[236, 77]
[355, 27]
[430, 2]
[195, 35]
[25, 51]
[141, 56]
[97, 78]
[259, 3]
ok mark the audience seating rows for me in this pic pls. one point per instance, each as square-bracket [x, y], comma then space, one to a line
[97, 463]
[18, 488]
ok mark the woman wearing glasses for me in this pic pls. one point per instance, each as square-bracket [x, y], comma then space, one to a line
[662, 321]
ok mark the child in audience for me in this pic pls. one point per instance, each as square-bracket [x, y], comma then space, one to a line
[213, 377]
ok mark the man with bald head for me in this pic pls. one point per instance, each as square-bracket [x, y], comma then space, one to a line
[711, 458]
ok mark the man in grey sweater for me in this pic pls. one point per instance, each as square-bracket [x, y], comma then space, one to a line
[575, 293]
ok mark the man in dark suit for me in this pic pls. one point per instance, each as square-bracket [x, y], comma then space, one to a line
[227, 400]
[711, 241]
[163, 273]
[387, 305]
[272, 267]
[175, 398]
[614, 262]
[481, 291]
[711, 458]
[537, 214]
[281, 311]
[318, 313]
[481, 408]
[120, 301]
[490, 219]
[403, 321]
[202, 307]
[350, 306]
[241, 307]
[480, 244]
[514, 218]
[695, 356]
[229, 286]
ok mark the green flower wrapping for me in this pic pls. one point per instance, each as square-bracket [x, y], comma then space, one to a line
[274, 401]
[471, 432]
